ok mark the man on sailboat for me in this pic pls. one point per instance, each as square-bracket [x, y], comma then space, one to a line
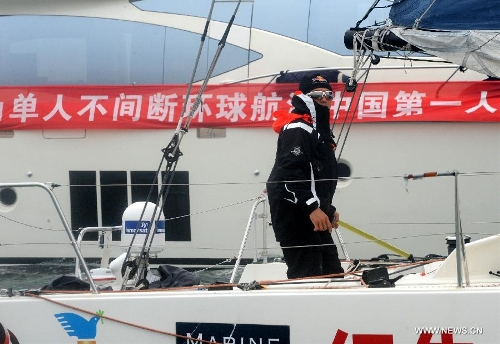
[303, 181]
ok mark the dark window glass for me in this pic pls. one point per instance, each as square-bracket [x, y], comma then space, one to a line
[83, 198]
[142, 186]
[176, 207]
[113, 199]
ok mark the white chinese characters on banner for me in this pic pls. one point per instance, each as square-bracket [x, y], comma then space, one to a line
[373, 104]
[58, 109]
[482, 103]
[24, 107]
[128, 105]
[159, 106]
[92, 106]
[409, 103]
[263, 107]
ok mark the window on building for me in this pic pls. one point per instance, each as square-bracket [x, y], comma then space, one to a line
[98, 199]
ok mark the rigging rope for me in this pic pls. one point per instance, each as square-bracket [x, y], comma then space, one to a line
[352, 117]
[373, 6]
[351, 86]
[172, 152]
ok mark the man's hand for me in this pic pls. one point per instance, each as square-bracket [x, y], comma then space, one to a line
[321, 221]
[335, 222]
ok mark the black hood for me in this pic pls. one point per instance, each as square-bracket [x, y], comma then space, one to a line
[321, 118]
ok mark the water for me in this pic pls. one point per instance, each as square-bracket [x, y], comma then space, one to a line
[38, 275]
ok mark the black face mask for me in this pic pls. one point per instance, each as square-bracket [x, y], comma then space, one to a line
[322, 115]
[322, 119]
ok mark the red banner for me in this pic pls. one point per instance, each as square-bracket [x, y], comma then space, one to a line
[236, 105]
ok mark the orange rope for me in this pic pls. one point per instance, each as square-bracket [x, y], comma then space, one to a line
[200, 287]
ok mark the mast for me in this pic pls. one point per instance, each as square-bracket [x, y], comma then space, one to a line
[172, 153]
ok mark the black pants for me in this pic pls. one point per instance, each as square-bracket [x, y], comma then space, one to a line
[311, 254]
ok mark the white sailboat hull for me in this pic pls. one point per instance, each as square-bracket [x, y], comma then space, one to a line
[272, 316]
[226, 174]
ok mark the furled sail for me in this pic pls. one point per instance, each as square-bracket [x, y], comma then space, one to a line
[465, 32]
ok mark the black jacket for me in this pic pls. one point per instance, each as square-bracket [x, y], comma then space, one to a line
[304, 175]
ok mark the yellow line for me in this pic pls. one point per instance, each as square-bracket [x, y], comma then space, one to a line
[375, 239]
